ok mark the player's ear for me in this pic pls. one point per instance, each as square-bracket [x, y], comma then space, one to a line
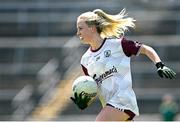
[93, 28]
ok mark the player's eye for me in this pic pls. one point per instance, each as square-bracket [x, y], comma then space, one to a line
[80, 28]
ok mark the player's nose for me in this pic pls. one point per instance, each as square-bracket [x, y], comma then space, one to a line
[77, 33]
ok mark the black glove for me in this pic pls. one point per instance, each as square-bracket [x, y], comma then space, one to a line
[81, 101]
[164, 71]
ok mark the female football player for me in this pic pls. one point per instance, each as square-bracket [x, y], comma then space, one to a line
[108, 61]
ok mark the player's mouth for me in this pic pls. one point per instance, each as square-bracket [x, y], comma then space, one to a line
[81, 38]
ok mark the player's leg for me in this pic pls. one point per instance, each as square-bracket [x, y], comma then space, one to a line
[110, 113]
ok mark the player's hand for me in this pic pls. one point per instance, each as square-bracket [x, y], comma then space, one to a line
[164, 71]
[81, 100]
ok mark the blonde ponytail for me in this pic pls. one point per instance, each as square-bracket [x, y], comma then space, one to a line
[113, 25]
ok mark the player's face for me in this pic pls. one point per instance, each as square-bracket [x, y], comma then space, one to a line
[84, 31]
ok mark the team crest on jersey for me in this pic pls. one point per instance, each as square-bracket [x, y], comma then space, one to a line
[107, 53]
[97, 58]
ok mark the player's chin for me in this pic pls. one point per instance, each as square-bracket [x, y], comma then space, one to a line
[83, 41]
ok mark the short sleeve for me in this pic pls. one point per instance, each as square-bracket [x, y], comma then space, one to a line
[130, 47]
[85, 70]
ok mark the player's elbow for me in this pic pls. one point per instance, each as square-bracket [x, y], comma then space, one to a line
[145, 49]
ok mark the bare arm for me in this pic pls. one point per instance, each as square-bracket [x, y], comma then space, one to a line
[162, 70]
[150, 53]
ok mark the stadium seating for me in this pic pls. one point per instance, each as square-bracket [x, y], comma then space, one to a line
[34, 32]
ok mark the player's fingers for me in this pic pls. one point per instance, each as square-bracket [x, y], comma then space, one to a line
[160, 73]
[168, 74]
[85, 99]
[88, 99]
[171, 74]
[80, 95]
[75, 95]
[165, 74]
[73, 99]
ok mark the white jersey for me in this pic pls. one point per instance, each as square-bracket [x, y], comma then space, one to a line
[109, 65]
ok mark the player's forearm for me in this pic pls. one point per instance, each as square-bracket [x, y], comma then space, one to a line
[150, 53]
[162, 69]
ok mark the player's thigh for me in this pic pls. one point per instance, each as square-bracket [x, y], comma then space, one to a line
[109, 113]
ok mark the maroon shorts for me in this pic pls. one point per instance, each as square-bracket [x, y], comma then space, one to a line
[128, 112]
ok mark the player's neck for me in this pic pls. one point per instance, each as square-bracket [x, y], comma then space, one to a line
[96, 43]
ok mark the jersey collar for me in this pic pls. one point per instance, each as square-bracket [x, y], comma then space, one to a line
[99, 47]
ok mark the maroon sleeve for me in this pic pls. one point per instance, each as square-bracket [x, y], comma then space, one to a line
[85, 70]
[130, 47]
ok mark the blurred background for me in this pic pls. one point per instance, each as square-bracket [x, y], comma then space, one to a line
[40, 56]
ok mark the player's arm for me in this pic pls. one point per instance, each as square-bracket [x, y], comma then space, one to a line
[149, 52]
[162, 70]
[82, 101]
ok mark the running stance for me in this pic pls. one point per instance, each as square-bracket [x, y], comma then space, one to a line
[108, 61]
